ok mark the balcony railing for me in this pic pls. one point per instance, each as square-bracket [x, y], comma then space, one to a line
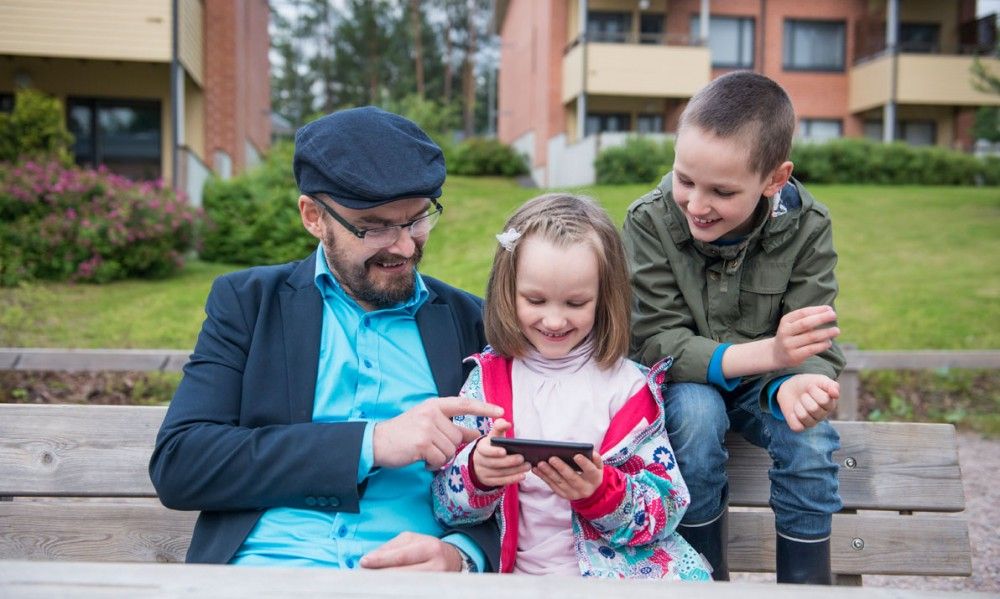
[628, 37]
[975, 38]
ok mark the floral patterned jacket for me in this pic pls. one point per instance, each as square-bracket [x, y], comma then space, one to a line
[628, 527]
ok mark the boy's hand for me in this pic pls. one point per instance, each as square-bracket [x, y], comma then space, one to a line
[800, 335]
[806, 399]
[492, 465]
[568, 483]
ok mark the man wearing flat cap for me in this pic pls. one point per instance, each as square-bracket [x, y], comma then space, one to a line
[319, 396]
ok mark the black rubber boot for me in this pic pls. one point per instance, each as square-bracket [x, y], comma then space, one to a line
[803, 562]
[712, 541]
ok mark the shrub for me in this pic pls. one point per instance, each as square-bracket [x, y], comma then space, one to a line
[88, 225]
[866, 161]
[479, 156]
[254, 217]
[640, 160]
[35, 129]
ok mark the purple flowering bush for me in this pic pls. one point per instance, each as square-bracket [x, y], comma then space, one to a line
[60, 223]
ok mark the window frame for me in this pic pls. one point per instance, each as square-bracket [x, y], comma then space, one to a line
[808, 122]
[98, 154]
[788, 46]
[741, 21]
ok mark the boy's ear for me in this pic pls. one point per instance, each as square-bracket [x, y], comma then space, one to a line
[777, 179]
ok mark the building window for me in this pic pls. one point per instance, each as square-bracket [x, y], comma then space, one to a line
[649, 123]
[919, 37]
[123, 135]
[6, 102]
[609, 122]
[820, 130]
[608, 26]
[651, 28]
[730, 40]
[813, 45]
[915, 133]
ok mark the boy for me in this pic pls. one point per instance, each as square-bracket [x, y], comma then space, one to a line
[732, 266]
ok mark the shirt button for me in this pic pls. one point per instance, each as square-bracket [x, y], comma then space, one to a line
[349, 562]
[342, 531]
[368, 363]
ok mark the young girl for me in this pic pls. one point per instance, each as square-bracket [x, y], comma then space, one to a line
[557, 319]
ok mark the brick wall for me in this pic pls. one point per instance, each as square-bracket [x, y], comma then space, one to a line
[237, 88]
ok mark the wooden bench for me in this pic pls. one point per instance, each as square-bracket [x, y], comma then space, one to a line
[74, 486]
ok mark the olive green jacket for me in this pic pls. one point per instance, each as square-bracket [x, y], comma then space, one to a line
[686, 302]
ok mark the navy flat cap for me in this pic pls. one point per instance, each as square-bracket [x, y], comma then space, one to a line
[365, 157]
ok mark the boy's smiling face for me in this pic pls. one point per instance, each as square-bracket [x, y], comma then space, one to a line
[714, 186]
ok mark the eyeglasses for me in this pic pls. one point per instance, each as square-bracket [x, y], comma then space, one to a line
[383, 237]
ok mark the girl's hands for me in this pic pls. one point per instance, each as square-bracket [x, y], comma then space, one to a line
[492, 466]
[568, 483]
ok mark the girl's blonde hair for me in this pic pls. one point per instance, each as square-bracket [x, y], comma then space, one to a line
[562, 219]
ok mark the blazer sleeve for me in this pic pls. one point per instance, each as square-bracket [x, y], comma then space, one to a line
[207, 458]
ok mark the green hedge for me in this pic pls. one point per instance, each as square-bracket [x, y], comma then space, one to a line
[640, 160]
[479, 156]
[254, 217]
[865, 161]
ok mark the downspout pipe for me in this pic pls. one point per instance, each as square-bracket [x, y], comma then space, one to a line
[175, 94]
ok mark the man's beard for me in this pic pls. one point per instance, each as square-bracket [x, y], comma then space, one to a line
[354, 278]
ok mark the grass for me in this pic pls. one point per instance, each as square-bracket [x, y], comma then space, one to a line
[918, 270]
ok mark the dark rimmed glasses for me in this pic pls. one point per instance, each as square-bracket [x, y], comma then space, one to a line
[382, 237]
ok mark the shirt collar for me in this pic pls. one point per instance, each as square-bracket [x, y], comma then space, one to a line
[331, 289]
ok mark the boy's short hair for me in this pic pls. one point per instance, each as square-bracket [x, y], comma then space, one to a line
[748, 105]
[562, 219]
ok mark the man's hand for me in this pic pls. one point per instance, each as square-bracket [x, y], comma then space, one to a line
[493, 466]
[568, 483]
[800, 335]
[413, 551]
[426, 432]
[806, 399]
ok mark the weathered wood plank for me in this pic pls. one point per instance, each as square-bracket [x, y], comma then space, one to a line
[72, 450]
[921, 359]
[99, 531]
[87, 580]
[94, 531]
[895, 466]
[863, 544]
[75, 360]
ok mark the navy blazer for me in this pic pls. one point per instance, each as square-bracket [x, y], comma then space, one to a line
[238, 437]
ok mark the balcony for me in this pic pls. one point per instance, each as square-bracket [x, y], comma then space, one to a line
[922, 79]
[933, 68]
[643, 70]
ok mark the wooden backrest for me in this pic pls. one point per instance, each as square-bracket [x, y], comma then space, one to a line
[75, 486]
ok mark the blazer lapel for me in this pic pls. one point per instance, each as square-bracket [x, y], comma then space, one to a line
[440, 339]
[302, 320]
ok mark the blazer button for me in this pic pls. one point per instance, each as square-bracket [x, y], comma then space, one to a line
[322, 501]
[310, 501]
[334, 501]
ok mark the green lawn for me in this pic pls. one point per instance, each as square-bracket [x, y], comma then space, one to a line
[918, 269]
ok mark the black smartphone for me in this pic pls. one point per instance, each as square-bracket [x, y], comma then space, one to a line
[538, 450]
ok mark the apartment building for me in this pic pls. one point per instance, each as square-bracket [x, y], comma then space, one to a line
[171, 89]
[579, 75]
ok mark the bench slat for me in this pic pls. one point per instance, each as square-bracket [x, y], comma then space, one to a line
[891, 544]
[94, 531]
[73, 450]
[55, 450]
[916, 465]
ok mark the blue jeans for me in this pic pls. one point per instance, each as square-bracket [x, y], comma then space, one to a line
[804, 487]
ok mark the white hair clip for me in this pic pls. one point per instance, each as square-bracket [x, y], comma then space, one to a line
[509, 238]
